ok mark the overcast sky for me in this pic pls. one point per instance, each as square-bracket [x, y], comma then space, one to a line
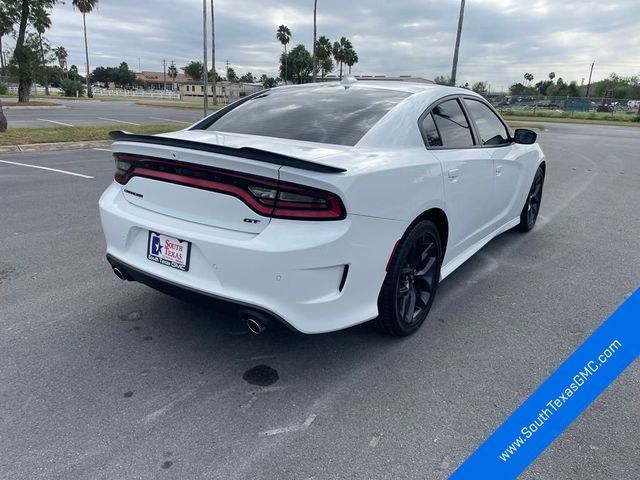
[501, 40]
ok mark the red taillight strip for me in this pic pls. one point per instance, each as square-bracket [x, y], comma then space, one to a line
[333, 209]
[203, 185]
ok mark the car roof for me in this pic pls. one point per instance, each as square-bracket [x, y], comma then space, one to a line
[396, 85]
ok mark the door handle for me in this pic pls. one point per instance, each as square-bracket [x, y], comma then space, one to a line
[498, 170]
[454, 173]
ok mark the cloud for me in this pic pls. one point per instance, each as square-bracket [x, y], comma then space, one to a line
[501, 40]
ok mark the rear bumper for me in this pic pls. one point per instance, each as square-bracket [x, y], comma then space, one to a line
[293, 270]
[180, 291]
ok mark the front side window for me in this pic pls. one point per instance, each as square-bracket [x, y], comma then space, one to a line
[491, 130]
[452, 125]
[323, 114]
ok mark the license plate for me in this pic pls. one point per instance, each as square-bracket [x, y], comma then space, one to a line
[169, 251]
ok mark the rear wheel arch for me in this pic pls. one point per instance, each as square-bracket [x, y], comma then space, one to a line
[439, 218]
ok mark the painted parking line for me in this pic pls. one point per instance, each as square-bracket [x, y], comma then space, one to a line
[47, 168]
[54, 121]
[117, 121]
[103, 149]
[170, 120]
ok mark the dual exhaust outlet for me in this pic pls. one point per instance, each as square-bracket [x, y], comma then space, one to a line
[255, 321]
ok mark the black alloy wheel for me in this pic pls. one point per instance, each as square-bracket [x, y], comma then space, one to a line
[412, 280]
[531, 208]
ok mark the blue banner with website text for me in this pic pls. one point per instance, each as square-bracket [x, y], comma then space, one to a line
[560, 399]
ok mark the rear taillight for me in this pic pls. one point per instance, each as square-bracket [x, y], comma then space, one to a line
[265, 196]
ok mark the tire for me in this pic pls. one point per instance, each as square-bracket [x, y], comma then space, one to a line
[531, 208]
[412, 280]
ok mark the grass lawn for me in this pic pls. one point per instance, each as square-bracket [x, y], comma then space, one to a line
[27, 136]
[14, 103]
[522, 118]
[531, 125]
[177, 104]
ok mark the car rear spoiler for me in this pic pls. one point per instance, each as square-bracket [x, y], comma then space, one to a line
[243, 152]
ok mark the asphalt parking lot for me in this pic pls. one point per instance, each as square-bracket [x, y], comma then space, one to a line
[105, 379]
[93, 112]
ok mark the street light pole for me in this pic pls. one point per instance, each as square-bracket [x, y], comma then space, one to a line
[315, 60]
[213, 54]
[164, 74]
[204, 57]
[454, 68]
[589, 84]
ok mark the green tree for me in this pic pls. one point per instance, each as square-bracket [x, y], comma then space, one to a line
[61, 55]
[480, 87]
[194, 70]
[299, 64]
[231, 75]
[41, 22]
[552, 75]
[86, 6]
[528, 78]
[247, 78]
[18, 14]
[123, 76]
[324, 51]
[27, 65]
[268, 82]
[72, 87]
[103, 75]
[283, 35]
[442, 80]
[8, 15]
[350, 57]
[340, 50]
[326, 66]
[212, 73]
[172, 71]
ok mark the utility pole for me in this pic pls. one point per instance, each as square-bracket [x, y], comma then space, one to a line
[589, 84]
[454, 68]
[204, 53]
[164, 70]
[315, 60]
[213, 54]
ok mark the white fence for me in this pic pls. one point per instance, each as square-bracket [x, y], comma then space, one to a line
[103, 92]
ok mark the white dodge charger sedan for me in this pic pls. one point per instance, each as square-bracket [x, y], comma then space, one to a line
[321, 206]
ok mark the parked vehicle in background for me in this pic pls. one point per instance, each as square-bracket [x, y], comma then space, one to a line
[323, 205]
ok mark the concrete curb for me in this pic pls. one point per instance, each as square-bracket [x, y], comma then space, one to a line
[45, 147]
[34, 107]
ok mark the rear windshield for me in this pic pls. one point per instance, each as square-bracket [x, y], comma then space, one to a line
[327, 114]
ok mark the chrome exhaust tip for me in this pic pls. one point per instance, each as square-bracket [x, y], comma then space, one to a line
[256, 322]
[120, 274]
[255, 326]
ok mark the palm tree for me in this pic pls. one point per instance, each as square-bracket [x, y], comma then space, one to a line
[41, 22]
[86, 6]
[339, 51]
[172, 71]
[528, 77]
[283, 34]
[351, 57]
[323, 52]
[61, 54]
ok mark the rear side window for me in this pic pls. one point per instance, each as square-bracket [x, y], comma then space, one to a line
[452, 125]
[491, 130]
[431, 134]
[323, 114]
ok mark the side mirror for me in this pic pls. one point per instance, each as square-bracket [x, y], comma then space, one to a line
[525, 136]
